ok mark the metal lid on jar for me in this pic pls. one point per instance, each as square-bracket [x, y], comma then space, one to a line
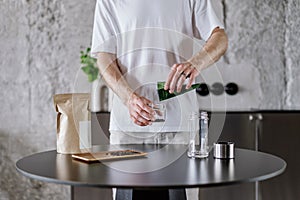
[203, 115]
[224, 150]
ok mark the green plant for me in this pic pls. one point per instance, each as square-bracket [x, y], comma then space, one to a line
[89, 65]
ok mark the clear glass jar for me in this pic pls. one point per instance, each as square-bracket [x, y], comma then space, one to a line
[198, 135]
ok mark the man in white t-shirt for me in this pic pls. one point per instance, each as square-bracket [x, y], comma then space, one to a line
[138, 43]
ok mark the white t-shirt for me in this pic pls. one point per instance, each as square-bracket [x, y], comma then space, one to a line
[148, 37]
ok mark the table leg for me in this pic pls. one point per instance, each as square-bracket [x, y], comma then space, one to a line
[92, 193]
[124, 194]
[177, 194]
[162, 194]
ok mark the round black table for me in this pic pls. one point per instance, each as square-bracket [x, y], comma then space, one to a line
[165, 167]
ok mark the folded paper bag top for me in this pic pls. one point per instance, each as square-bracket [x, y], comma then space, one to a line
[164, 94]
[73, 123]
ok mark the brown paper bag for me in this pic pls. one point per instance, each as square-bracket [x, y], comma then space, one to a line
[73, 123]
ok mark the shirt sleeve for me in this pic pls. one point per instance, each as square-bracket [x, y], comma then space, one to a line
[104, 34]
[206, 17]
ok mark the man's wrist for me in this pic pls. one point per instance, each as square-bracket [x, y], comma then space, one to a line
[196, 62]
[129, 97]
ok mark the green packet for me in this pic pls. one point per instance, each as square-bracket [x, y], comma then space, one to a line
[164, 94]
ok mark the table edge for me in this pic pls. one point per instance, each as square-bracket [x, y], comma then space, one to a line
[84, 184]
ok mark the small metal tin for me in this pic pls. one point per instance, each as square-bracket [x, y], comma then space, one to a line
[224, 150]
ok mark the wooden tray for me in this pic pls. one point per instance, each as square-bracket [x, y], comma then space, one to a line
[108, 155]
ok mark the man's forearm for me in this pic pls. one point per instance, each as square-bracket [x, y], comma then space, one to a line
[214, 48]
[113, 77]
[138, 107]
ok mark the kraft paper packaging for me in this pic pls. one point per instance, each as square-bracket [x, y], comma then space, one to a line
[73, 123]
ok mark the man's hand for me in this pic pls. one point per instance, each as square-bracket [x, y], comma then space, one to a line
[140, 111]
[179, 73]
[214, 48]
[139, 107]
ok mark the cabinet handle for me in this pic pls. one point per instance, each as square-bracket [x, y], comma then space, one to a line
[256, 117]
[251, 117]
[259, 117]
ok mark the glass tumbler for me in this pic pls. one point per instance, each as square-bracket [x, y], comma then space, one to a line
[160, 112]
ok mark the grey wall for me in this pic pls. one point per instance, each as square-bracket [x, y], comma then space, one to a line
[39, 56]
[265, 33]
